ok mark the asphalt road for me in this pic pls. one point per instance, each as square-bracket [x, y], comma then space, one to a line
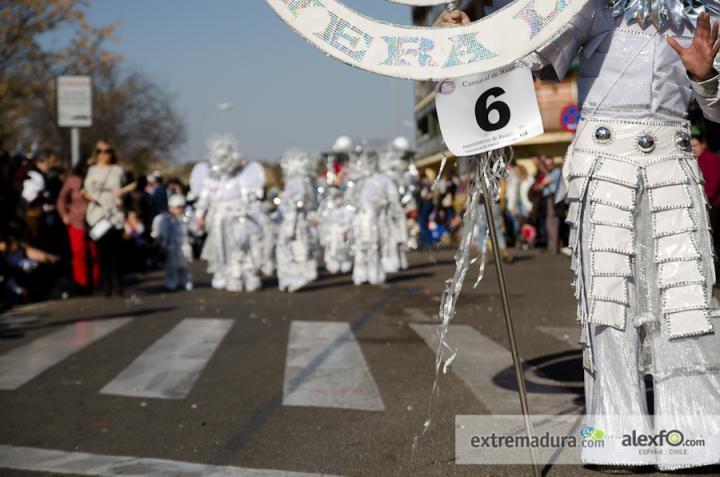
[98, 395]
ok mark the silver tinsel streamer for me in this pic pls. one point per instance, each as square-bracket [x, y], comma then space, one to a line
[495, 164]
[491, 166]
[662, 13]
[436, 182]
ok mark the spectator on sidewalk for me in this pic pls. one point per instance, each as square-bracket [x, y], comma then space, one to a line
[53, 235]
[709, 164]
[9, 194]
[425, 211]
[103, 191]
[33, 185]
[137, 244]
[138, 200]
[517, 200]
[157, 193]
[482, 232]
[538, 213]
[72, 207]
[171, 233]
[28, 273]
[175, 187]
[552, 221]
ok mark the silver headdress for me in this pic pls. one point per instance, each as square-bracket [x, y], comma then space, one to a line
[343, 144]
[662, 13]
[393, 158]
[223, 154]
[363, 164]
[298, 162]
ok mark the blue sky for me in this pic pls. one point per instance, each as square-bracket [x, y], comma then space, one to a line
[284, 92]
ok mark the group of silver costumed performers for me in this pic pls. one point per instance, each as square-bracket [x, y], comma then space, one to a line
[357, 219]
[642, 250]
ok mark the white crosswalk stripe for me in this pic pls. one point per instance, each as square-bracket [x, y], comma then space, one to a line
[326, 368]
[22, 364]
[169, 368]
[78, 463]
[486, 369]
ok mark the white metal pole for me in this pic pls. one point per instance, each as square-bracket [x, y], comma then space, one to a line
[484, 160]
[75, 145]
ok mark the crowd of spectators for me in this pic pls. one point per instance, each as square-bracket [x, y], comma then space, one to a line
[74, 231]
[527, 216]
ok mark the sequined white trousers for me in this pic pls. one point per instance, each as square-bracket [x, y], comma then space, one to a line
[643, 275]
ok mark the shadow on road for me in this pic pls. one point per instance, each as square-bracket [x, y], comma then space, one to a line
[135, 313]
[408, 276]
[325, 286]
[349, 283]
[565, 368]
[436, 263]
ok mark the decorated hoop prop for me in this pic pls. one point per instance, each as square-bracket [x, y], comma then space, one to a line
[420, 3]
[422, 53]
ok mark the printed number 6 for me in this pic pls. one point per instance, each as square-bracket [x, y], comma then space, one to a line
[482, 110]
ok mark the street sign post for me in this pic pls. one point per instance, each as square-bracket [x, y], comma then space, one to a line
[74, 108]
[570, 117]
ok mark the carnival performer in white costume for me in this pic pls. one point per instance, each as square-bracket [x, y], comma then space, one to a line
[368, 195]
[336, 216]
[408, 191]
[394, 232]
[641, 247]
[229, 190]
[171, 233]
[297, 247]
[336, 219]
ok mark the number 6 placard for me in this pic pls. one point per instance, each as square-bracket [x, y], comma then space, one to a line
[488, 111]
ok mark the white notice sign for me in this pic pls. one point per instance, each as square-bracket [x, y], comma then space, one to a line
[488, 111]
[74, 101]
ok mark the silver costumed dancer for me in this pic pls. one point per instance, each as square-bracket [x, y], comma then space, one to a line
[393, 224]
[238, 246]
[368, 196]
[640, 240]
[297, 244]
[336, 219]
[336, 216]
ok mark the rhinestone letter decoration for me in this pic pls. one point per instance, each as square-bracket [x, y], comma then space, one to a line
[399, 47]
[420, 53]
[467, 45]
[345, 37]
[529, 14]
